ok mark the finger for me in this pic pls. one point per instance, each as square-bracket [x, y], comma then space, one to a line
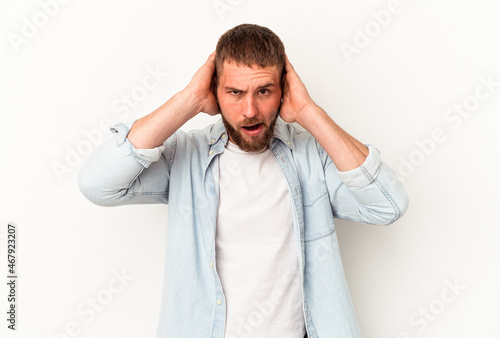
[213, 87]
[286, 88]
[211, 60]
[288, 64]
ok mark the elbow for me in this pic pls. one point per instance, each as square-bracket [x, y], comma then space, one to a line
[400, 206]
[386, 213]
[87, 188]
[93, 191]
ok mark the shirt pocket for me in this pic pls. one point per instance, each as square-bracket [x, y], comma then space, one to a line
[318, 216]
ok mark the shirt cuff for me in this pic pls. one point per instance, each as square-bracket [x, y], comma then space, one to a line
[143, 156]
[364, 174]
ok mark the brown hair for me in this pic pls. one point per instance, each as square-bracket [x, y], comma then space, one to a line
[250, 45]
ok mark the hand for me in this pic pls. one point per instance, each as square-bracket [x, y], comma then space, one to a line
[296, 99]
[202, 88]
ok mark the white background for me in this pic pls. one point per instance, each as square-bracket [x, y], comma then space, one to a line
[61, 80]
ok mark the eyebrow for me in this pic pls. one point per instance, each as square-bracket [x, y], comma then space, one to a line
[270, 84]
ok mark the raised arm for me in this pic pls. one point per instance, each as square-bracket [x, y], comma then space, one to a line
[362, 188]
[133, 167]
[153, 129]
[345, 151]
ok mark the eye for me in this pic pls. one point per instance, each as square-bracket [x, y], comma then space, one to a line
[234, 92]
[264, 91]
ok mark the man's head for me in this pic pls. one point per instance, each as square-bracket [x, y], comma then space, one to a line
[249, 62]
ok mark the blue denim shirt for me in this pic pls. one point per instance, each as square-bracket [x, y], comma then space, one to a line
[184, 172]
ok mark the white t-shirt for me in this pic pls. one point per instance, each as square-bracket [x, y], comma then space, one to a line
[256, 254]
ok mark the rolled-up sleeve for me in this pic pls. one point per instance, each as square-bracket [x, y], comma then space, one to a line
[118, 173]
[371, 193]
[364, 174]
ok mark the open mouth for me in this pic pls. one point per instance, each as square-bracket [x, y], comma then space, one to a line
[253, 130]
[252, 127]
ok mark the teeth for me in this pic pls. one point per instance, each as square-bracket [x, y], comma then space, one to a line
[252, 127]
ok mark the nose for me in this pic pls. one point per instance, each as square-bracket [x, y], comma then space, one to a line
[250, 107]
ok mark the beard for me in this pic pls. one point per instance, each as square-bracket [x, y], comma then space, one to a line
[257, 143]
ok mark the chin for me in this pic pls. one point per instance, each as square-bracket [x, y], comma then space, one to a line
[247, 143]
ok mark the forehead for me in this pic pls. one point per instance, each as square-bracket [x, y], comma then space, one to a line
[231, 72]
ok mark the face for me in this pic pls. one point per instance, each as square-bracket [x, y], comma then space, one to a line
[249, 100]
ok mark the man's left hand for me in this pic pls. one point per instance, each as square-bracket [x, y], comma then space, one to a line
[296, 99]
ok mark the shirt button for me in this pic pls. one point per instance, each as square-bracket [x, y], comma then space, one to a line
[211, 264]
[219, 302]
[210, 152]
[288, 142]
[223, 135]
[213, 140]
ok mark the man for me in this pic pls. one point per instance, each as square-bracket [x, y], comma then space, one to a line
[251, 247]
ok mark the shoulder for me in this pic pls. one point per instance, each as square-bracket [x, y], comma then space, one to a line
[199, 144]
[295, 134]
[201, 137]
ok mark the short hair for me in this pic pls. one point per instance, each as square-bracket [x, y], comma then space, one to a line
[250, 45]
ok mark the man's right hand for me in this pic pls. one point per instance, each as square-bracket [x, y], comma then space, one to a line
[199, 96]
[202, 88]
